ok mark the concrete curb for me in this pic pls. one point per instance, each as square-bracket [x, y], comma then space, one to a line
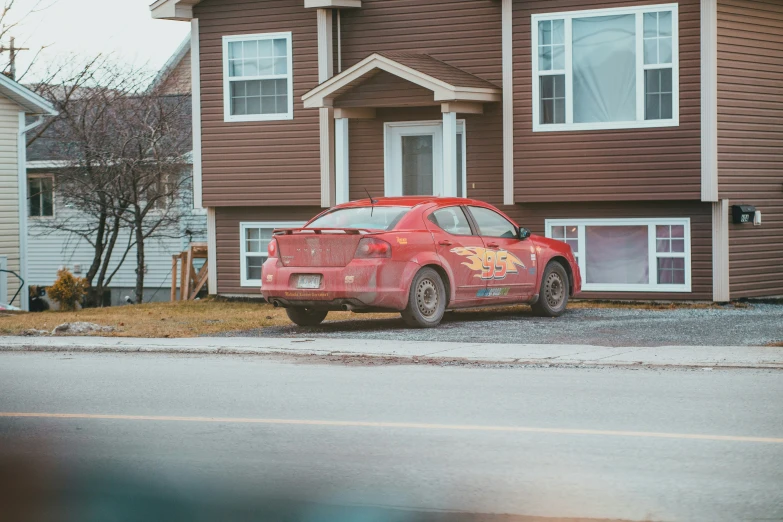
[539, 354]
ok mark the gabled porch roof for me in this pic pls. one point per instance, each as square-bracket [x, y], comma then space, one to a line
[447, 83]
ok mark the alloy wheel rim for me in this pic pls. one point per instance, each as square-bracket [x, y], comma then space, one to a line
[555, 290]
[427, 298]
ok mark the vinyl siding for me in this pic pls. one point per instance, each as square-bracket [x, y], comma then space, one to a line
[9, 194]
[462, 33]
[49, 250]
[268, 162]
[750, 139]
[533, 217]
[638, 164]
[227, 222]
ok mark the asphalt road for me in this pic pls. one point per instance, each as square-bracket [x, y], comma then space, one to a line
[755, 324]
[551, 442]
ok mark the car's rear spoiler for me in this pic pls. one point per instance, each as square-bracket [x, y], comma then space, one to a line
[349, 231]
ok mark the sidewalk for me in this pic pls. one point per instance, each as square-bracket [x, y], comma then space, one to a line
[421, 351]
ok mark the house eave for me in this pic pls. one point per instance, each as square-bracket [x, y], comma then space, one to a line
[31, 102]
[173, 9]
[332, 4]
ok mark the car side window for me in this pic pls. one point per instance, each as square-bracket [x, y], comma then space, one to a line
[492, 224]
[452, 220]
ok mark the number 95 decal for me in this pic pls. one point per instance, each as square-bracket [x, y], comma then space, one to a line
[491, 264]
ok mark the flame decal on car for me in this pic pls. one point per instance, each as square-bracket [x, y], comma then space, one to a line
[492, 264]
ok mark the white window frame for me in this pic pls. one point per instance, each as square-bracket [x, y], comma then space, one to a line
[392, 162]
[227, 116]
[640, 122]
[244, 254]
[651, 223]
[54, 192]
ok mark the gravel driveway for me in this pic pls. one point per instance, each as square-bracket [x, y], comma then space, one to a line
[756, 324]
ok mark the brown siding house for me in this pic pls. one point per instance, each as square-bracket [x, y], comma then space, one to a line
[628, 128]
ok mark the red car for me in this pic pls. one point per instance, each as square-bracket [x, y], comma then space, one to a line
[418, 256]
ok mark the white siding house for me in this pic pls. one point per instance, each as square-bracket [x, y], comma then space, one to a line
[50, 249]
[16, 103]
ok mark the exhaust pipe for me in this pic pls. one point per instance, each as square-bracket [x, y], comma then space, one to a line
[276, 304]
[346, 308]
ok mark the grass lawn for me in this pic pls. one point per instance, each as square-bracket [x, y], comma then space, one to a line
[212, 316]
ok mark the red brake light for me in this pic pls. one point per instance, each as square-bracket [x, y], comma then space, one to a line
[372, 248]
[272, 248]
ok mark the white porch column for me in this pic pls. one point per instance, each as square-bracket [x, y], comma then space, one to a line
[449, 181]
[341, 160]
[326, 71]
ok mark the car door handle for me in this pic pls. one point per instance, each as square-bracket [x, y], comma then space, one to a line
[493, 245]
[444, 242]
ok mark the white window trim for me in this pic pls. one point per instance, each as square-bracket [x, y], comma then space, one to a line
[393, 183]
[640, 122]
[653, 286]
[244, 254]
[227, 116]
[54, 192]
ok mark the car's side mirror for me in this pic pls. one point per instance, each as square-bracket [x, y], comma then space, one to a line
[523, 234]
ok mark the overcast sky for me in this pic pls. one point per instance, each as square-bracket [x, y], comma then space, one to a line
[88, 27]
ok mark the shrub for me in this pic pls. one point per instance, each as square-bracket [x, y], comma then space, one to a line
[68, 290]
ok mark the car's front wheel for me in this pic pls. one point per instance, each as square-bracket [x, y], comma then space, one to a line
[306, 316]
[553, 295]
[426, 300]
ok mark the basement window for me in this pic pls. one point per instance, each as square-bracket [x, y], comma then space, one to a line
[257, 77]
[254, 239]
[628, 255]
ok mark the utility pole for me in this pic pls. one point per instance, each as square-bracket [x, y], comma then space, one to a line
[13, 50]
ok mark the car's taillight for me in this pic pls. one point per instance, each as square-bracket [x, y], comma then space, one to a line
[272, 248]
[371, 248]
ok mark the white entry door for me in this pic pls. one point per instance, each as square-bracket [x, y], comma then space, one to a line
[414, 159]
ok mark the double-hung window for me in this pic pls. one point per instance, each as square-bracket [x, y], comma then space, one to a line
[40, 196]
[606, 69]
[254, 240]
[257, 77]
[634, 255]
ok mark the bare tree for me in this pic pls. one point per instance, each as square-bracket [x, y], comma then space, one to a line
[123, 145]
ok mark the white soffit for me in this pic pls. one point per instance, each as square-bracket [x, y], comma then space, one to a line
[332, 4]
[173, 9]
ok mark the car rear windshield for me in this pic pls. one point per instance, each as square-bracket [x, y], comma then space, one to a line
[375, 218]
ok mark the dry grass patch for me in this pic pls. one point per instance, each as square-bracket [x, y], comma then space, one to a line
[651, 305]
[179, 319]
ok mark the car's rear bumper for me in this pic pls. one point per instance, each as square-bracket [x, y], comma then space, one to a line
[363, 284]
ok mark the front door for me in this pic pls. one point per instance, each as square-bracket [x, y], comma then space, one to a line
[510, 262]
[414, 153]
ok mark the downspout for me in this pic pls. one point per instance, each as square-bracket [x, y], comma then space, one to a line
[22, 179]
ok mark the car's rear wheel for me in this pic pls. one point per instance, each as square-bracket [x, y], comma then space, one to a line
[426, 300]
[553, 295]
[306, 316]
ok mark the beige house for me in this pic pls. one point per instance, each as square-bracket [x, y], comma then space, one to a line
[17, 104]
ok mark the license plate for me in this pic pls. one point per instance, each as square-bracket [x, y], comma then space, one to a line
[308, 281]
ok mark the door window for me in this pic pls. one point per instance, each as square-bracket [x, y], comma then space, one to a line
[417, 165]
[492, 224]
[452, 220]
